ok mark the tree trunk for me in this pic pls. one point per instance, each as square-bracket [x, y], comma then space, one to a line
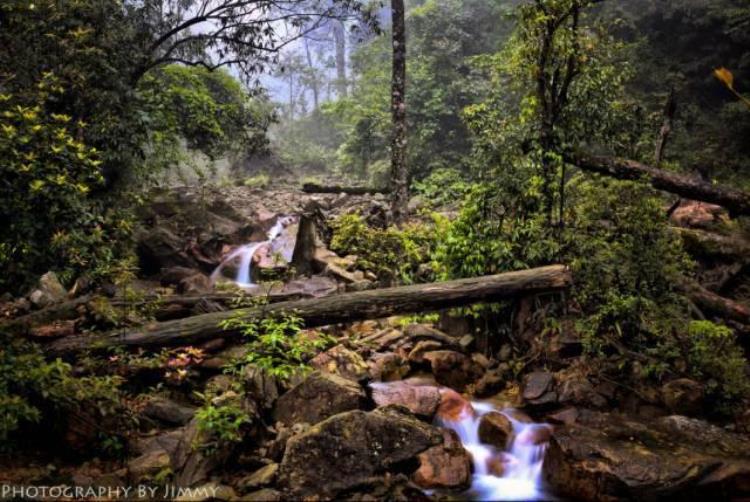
[335, 309]
[313, 78]
[339, 38]
[399, 172]
[316, 188]
[716, 305]
[689, 187]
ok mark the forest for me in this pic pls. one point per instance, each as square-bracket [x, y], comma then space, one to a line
[276, 250]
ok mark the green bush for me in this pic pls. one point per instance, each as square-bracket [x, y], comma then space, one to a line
[31, 387]
[392, 254]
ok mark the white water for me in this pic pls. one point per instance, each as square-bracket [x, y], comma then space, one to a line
[247, 252]
[521, 478]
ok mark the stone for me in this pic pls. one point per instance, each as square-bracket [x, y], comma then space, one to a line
[195, 284]
[495, 429]
[388, 367]
[567, 416]
[446, 466]
[148, 465]
[209, 491]
[578, 390]
[683, 396]
[608, 457]
[349, 449]
[453, 369]
[264, 495]
[193, 465]
[536, 384]
[260, 386]
[318, 397]
[416, 355]
[453, 406]
[695, 214]
[49, 290]
[168, 411]
[420, 400]
[262, 477]
[341, 361]
[492, 382]
[172, 276]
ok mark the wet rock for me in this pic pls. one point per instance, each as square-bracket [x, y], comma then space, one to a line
[446, 466]
[168, 411]
[49, 290]
[612, 457]
[495, 429]
[683, 396]
[262, 477]
[342, 362]
[453, 369]
[453, 406]
[318, 397]
[420, 400]
[388, 367]
[348, 449]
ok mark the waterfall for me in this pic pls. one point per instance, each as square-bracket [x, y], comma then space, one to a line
[521, 478]
[246, 253]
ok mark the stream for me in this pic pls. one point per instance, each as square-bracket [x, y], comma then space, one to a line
[521, 477]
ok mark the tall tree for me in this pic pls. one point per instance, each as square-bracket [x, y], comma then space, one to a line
[399, 170]
[339, 40]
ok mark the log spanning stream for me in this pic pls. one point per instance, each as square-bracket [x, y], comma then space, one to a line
[513, 474]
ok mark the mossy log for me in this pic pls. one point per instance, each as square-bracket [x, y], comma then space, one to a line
[372, 304]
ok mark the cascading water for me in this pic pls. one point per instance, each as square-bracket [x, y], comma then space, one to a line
[247, 252]
[521, 477]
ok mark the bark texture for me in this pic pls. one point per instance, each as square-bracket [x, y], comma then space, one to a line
[399, 170]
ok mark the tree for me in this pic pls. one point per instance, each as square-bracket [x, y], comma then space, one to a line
[399, 169]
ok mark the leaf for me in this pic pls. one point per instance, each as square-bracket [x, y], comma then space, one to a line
[725, 76]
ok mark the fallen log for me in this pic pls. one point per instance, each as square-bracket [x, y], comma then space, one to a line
[166, 307]
[335, 309]
[705, 244]
[354, 190]
[689, 187]
[716, 305]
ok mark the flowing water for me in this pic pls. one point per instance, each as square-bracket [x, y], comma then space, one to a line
[246, 253]
[521, 477]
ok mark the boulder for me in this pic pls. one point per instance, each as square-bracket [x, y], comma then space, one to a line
[318, 397]
[149, 465]
[492, 382]
[168, 411]
[388, 367]
[683, 396]
[453, 369]
[606, 456]
[416, 355]
[349, 449]
[453, 406]
[537, 389]
[495, 429]
[420, 400]
[49, 290]
[446, 466]
[262, 477]
[260, 386]
[341, 361]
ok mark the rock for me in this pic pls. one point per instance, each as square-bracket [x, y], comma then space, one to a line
[536, 384]
[262, 477]
[49, 290]
[172, 276]
[193, 464]
[318, 397]
[148, 465]
[578, 390]
[495, 429]
[683, 396]
[420, 400]
[342, 362]
[168, 411]
[453, 369]
[196, 283]
[694, 214]
[417, 332]
[160, 248]
[446, 466]
[466, 342]
[416, 355]
[209, 491]
[388, 367]
[567, 416]
[612, 457]
[492, 382]
[350, 448]
[260, 387]
[264, 495]
[453, 406]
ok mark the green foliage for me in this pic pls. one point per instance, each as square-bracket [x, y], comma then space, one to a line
[443, 187]
[258, 181]
[32, 388]
[391, 254]
[49, 176]
[276, 344]
[222, 423]
[715, 357]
